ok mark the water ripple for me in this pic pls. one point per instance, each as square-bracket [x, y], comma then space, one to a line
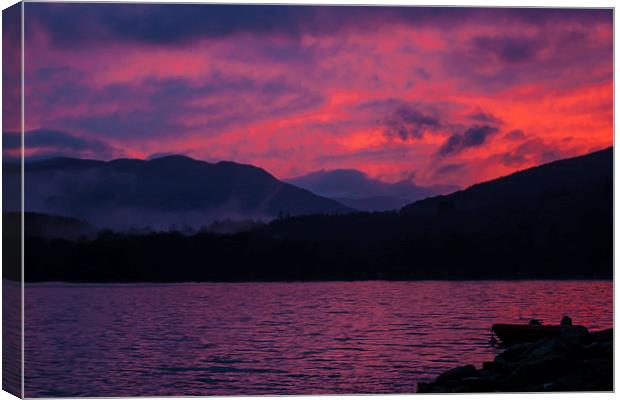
[278, 338]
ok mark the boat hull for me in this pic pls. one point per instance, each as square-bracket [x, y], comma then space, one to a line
[510, 334]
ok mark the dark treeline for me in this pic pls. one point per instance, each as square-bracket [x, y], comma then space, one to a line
[248, 257]
[558, 225]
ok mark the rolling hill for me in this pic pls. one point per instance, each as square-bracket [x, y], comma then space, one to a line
[357, 190]
[161, 193]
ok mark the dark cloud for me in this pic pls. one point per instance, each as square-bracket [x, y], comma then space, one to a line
[516, 134]
[448, 169]
[423, 74]
[160, 155]
[507, 49]
[164, 104]
[483, 117]
[543, 54]
[43, 143]
[472, 137]
[407, 123]
[11, 66]
[78, 24]
[534, 151]
[384, 153]
[540, 16]
[11, 140]
[167, 24]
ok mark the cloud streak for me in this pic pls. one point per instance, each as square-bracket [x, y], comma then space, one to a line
[408, 123]
[45, 143]
[473, 137]
[172, 24]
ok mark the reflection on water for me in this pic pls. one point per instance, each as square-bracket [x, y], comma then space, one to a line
[12, 337]
[278, 338]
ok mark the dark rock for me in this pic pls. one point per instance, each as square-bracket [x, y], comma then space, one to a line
[598, 349]
[476, 384]
[505, 368]
[571, 362]
[606, 335]
[458, 373]
[424, 387]
[540, 370]
[513, 353]
[575, 336]
[608, 348]
[489, 366]
[546, 348]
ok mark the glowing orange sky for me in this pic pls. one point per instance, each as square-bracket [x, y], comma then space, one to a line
[439, 96]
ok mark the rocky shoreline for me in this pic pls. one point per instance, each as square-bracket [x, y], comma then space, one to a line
[571, 362]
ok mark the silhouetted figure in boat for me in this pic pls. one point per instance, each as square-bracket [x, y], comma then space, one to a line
[535, 322]
[566, 320]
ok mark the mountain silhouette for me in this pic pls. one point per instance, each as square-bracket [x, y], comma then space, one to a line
[554, 221]
[357, 190]
[559, 187]
[162, 192]
[562, 195]
[374, 203]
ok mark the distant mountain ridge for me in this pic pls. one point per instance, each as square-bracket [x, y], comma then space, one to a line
[558, 184]
[357, 190]
[554, 221]
[561, 195]
[171, 190]
[374, 203]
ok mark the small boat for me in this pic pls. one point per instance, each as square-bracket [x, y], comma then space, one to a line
[510, 334]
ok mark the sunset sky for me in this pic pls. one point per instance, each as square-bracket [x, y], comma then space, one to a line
[436, 95]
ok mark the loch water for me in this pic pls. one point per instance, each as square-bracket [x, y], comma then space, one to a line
[278, 338]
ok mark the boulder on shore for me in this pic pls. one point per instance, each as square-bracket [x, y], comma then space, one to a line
[566, 363]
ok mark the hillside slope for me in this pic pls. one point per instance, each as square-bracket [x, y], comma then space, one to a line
[173, 190]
